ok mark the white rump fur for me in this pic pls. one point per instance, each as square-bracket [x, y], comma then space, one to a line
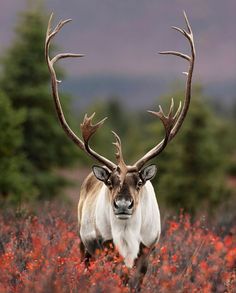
[143, 226]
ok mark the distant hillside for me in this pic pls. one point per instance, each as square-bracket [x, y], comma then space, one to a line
[121, 38]
[138, 92]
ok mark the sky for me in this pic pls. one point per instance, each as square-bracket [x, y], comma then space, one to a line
[121, 39]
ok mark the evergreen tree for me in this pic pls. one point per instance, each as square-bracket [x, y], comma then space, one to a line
[191, 169]
[230, 141]
[14, 186]
[25, 80]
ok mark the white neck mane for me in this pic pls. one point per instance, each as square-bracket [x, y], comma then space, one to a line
[142, 227]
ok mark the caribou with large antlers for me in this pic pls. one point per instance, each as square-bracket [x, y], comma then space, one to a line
[117, 201]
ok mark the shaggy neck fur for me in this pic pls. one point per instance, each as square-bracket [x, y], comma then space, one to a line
[142, 227]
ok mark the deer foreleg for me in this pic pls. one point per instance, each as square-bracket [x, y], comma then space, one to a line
[141, 267]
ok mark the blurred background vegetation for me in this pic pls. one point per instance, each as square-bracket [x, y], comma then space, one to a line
[196, 172]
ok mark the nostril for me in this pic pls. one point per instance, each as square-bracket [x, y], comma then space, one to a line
[115, 205]
[131, 205]
[123, 205]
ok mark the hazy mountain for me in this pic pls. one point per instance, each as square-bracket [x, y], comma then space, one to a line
[138, 93]
[121, 38]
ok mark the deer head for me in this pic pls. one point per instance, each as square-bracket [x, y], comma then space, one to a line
[124, 182]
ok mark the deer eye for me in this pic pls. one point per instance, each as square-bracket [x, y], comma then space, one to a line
[108, 183]
[139, 184]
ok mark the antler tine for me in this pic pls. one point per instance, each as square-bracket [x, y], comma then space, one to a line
[188, 35]
[49, 26]
[51, 33]
[117, 145]
[189, 74]
[65, 55]
[178, 111]
[168, 121]
[171, 107]
[187, 23]
[119, 154]
[172, 123]
[184, 56]
[88, 129]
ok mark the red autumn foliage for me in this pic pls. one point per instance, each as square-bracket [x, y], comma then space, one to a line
[41, 254]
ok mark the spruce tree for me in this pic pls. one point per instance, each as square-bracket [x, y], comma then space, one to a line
[14, 186]
[25, 80]
[191, 168]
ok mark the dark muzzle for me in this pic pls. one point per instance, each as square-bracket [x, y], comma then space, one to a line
[123, 208]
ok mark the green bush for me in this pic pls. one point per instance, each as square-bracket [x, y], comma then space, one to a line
[25, 80]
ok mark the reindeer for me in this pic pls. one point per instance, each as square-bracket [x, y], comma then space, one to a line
[117, 201]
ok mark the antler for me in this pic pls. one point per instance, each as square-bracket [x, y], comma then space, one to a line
[88, 129]
[172, 123]
[123, 168]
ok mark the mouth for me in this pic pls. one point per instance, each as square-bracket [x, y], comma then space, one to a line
[123, 216]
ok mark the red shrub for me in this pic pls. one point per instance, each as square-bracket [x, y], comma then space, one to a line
[41, 254]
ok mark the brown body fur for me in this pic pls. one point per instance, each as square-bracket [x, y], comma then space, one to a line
[89, 191]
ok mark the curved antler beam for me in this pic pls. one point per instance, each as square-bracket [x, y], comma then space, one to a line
[88, 129]
[172, 124]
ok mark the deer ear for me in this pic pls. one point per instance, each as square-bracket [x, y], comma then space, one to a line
[148, 173]
[101, 173]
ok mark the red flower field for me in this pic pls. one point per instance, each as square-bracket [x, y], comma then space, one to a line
[41, 254]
